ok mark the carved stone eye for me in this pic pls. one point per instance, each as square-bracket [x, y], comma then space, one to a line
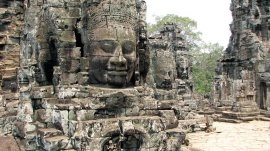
[108, 45]
[128, 47]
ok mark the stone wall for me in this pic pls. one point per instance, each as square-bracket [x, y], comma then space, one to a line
[11, 32]
[83, 80]
[241, 84]
[82, 75]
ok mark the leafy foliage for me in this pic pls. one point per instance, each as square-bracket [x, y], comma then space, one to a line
[205, 63]
[204, 54]
[189, 27]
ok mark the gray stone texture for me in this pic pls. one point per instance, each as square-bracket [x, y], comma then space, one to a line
[82, 75]
[241, 88]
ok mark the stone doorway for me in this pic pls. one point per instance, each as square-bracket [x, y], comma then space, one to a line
[123, 143]
[263, 95]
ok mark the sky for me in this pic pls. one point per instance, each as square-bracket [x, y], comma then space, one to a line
[212, 16]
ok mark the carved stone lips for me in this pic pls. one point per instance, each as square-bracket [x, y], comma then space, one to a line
[117, 73]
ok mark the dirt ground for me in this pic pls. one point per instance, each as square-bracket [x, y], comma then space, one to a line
[251, 136]
[8, 143]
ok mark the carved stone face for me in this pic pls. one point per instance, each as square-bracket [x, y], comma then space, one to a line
[164, 71]
[112, 56]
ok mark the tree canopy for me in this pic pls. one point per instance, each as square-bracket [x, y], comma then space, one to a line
[205, 55]
[189, 27]
[204, 65]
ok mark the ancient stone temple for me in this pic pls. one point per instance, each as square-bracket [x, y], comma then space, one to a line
[242, 85]
[170, 67]
[81, 75]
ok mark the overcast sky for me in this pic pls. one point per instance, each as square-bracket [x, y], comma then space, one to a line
[213, 16]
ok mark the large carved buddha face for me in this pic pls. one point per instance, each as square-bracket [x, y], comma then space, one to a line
[112, 56]
[164, 71]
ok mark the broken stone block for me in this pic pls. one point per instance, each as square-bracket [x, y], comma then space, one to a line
[70, 65]
[84, 64]
[83, 78]
[68, 78]
[70, 53]
[42, 92]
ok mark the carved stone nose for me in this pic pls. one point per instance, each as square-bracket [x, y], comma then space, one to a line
[118, 61]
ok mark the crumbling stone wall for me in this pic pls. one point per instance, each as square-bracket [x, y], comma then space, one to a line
[241, 85]
[74, 76]
[82, 80]
[11, 32]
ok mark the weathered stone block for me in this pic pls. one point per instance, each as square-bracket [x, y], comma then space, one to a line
[44, 55]
[67, 36]
[85, 115]
[42, 92]
[68, 78]
[170, 120]
[90, 103]
[70, 53]
[135, 111]
[70, 65]
[83, 78]
[60, 118]
[41, 115]
[149, 104]
[84, 66]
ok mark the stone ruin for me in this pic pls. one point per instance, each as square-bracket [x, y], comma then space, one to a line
[170, 68]
[82, 75]
[11, 29]
[241, 87]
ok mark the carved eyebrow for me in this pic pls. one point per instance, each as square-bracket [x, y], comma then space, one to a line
[108, 40]
[128, 46]
[107, 45]
[128, 42]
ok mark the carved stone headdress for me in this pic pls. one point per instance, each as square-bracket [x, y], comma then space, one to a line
[112, 13]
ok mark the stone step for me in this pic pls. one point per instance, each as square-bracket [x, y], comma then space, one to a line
[263, 118]
[224, 108]
[56, 138]
[11, 96]
[249, 109]
[226, 103]
[59, 142]
[10, 70]
[59, 104]
[239, 114]
[48, 132]
[265, 113]
[251, 118]
[13, 104]
[227, 120]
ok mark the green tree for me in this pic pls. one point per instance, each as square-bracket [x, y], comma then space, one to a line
[189, 27]
[205, 63]
[204, 54]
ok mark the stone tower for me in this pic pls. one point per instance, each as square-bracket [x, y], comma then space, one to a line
[170, 67]
[242, 84]
[82, 79]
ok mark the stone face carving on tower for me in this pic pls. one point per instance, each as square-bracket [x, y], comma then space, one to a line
[171, 64]
[82, 79]
[242, 74]
[112, 31]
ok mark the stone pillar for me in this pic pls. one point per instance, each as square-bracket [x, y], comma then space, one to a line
[267, 103]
